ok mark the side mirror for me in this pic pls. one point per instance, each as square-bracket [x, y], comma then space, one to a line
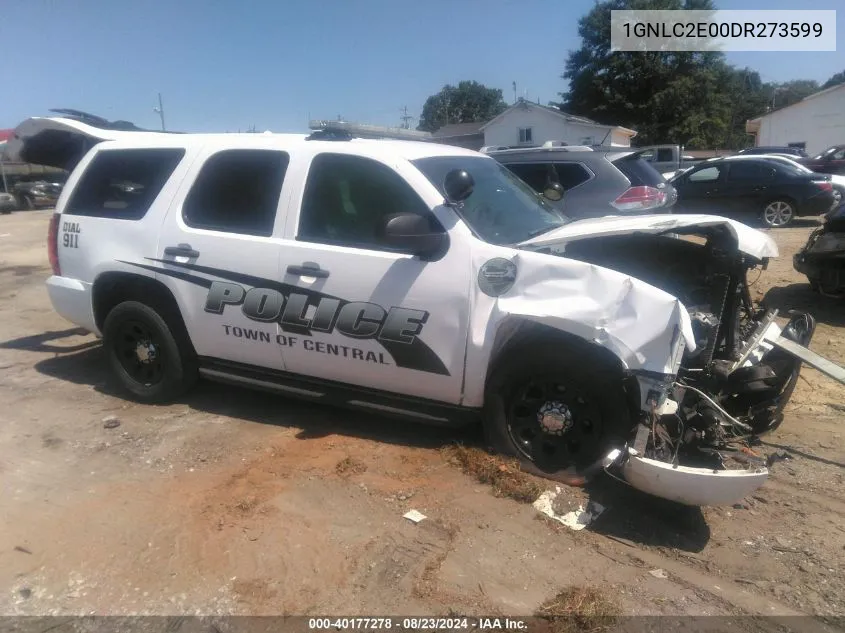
[553, 192]
[458, 185]
[413, 233]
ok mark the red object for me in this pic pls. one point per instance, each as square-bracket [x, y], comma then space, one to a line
[5, 135]
[824, 186]
[637, 198]
[53, 244]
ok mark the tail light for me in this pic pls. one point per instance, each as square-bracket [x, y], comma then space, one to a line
[53, 244]
[823, 185]
[640, 198]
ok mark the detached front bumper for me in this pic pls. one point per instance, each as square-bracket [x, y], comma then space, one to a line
[685, 485]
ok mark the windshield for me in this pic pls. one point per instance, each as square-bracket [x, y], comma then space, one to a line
[501, 208]
[829, 150]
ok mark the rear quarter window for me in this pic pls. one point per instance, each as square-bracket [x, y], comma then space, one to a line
[122, 184]
[638, 171]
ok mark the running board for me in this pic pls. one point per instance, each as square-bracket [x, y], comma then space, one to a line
[828, 368]
[337, 394]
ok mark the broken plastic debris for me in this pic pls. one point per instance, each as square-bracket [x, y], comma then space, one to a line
[659, 573]
[414, 515]
[576, 520]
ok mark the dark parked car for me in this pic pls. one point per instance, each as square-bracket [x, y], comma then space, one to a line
[36, 194]
[773, 149]
[823, 257]
[595, 182]
[830, 161]
[749, 188]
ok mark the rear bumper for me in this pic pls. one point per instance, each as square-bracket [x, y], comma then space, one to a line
[71, 298]
[817, 205]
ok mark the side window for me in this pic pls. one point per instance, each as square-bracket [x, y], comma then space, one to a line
[664, 155]
[535, 175]
[838, 155]
[708, 174]
[742, 171]
[237, 191]
[346, 198]
[123, 183]
[571, 175]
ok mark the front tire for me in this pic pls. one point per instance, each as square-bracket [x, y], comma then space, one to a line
[558, 409]
[145, 354]
[778, 213]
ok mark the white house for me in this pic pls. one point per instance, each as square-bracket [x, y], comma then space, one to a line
[814, 123]
[531, 125]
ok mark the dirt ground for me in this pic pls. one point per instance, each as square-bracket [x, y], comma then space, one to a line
[236, 502]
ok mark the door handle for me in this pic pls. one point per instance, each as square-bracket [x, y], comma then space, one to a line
[183, 250]
[308, 270]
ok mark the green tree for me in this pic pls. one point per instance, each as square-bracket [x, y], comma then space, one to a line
[467, 102]
[689, 98]
[838, 78]
[789, 92]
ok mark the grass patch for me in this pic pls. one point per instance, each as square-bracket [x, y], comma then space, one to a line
[504, 475]
[579, 609]
[350, 466]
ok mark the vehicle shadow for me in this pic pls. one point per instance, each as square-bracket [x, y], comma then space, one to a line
[39, 342]
[630, 514]
[89, 367]
[804, 454]
[801, 297]
[643, 519]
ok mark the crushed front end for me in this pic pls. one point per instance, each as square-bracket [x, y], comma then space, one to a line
[694, 438]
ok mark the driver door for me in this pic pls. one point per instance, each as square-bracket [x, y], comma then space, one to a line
[360, 312]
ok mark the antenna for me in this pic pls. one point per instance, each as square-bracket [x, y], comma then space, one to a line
[406, 118]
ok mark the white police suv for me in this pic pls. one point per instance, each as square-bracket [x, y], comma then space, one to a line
[421, 281]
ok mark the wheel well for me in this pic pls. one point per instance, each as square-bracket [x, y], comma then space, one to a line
[522, 333]
[785, 198]
[111, 289]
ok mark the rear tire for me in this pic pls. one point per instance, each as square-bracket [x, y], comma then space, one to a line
[777, 214]
[558, 409]
[145, 354]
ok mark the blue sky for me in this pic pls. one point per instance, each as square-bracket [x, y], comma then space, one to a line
[224, 65]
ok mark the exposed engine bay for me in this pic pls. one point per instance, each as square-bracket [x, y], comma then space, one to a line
[734, 385]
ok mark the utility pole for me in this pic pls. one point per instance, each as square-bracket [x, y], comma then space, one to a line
[160, 110]
[406, 118]
[514, 92]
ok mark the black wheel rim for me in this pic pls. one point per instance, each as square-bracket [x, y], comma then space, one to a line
[140, 352]
[554, 423]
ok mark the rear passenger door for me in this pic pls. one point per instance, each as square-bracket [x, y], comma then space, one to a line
[219, 254]
[748, 185]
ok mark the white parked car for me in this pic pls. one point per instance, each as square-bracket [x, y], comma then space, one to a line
[426, 282]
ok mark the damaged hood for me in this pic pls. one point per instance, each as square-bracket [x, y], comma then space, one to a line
[749, 241]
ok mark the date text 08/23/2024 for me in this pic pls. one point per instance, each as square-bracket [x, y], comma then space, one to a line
[418, 623]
